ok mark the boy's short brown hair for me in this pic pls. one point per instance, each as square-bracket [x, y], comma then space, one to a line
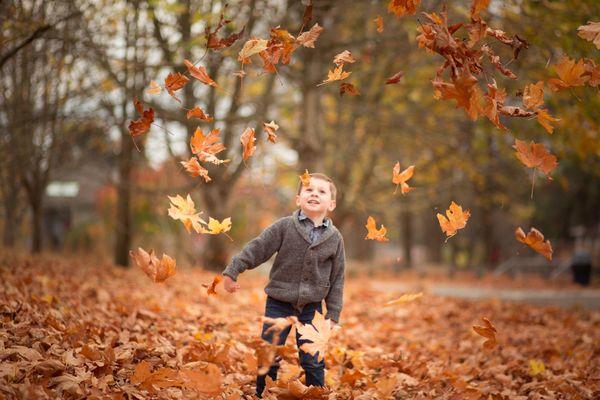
[324, 177]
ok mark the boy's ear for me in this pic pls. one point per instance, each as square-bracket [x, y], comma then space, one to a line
[332, 205]
[298, 200]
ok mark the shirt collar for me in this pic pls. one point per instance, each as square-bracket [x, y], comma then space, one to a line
[302, 217]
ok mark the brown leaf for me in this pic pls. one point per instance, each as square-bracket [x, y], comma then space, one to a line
[533, 95]
[197, 112]
[535, 240]
[307, 39]
[199, 73]
[488, 331]
[343, 57]
[394, 78]
[271, 128]
[247, 139]
[570, 74]
[403, 7]
[546, 119]
[400, 178]
[373, 233]
[348, 88]
[195, 169]
[535, 155]
[590, 32]
[379, 22]
[142, 125]
[454, 220]
[174, 82]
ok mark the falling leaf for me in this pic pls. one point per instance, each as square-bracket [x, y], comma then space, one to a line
[197, 112]
[343, 57]
[251, 47]
[488, 331]
[271, 128]
[400, 178]
[277, 325]
[456, 219]
[570, 73]
[319, 332]
[247, 139]
[214, 227]
[535, 155]
[205, 146]
[405, 298]
[348, 88]
[157, 270]
[592, 71]
[184, 210]
[494, 100]
[403, 7]
[305, 178]
[536, 367]
[464, 90]
[154, 88]
[337, 74]
[546, 119]
[211, 289]
[590, 32]
[213, 42]
[174, 82]
[142, 125]
[307, 39]
[199, 73]
[535, 240]
[533, 95]
[379, 22]
[477, 6]
[373, 233]
[394, 78]
[195, 169]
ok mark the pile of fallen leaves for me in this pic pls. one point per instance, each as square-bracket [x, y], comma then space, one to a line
[76, 330]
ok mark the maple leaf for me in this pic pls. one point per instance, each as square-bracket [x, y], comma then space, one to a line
[154, 88]
[570, 74]
[185, 211]
[592, 71]
[535, 155]
[337, 74]
[494, 99]
[174, 82]
[197, 112]
[205, 146]
[195, 169]
[211, 289]
[343, 57]
[456, 219]
[142, 125]
[214, 227]
[394, 78]
[348, 88]
[590, 32]
[305, 178]
[373, 233]
[379, 22]
[157, 270]
[270, 128]
[477, 6]
[308, 38]
[464, 90]
[488, 331]
[405, 298]
[535, 240]
[403, 7]
[546, 119]
[247, 139]
[533, 95]
[319, 332]
[251, 47]
[400, 178]
[212, 42]
[199, 73]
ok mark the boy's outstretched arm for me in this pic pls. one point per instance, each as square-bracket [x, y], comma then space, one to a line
[335, 297]
[257, 251]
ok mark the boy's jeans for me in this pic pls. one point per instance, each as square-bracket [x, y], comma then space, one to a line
[314, 370]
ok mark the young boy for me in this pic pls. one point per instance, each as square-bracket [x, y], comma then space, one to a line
[308, 268]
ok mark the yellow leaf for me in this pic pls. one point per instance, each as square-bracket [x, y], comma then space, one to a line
[184, 210]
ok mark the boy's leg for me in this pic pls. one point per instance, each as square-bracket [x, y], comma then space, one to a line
[314, 370]
[273, 309]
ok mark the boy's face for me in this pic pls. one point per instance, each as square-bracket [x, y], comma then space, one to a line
[315, 199]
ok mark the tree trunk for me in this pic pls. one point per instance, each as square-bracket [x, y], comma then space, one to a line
[123, 223]
[407, 237]
[36, 206]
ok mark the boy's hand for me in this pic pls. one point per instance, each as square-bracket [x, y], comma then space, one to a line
[229, 284]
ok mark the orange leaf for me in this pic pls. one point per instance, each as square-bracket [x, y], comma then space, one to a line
[307, 39]
[247, 140]
[400, 178]
[535, 240]
[211, 289]
[373, 233]
[494, 99]
[206, 146]
[141, 372]
[318, 332]
[592, 71]
[142, 125]
[405, 298]
[174, 82]
[590, 32]
[199, 73]
[348, 88]
[185, 211]
[533, 95]
[535, 155]
[488, 331]
[337, 74]
[546, 119]
[157, 270]
[394, 78]
[570, 74]
[270, 128]
[464, 90]
[195, 169]
[457, 219]
[305, 178]
[197, 112]
[403, 7]
[251, 47]
[154, 88]
[205, 380]
[343, 57]
[379, 22]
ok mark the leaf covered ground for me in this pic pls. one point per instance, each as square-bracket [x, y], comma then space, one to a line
[73, 329]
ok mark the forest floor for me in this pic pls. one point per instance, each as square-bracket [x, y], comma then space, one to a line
[76, 329]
